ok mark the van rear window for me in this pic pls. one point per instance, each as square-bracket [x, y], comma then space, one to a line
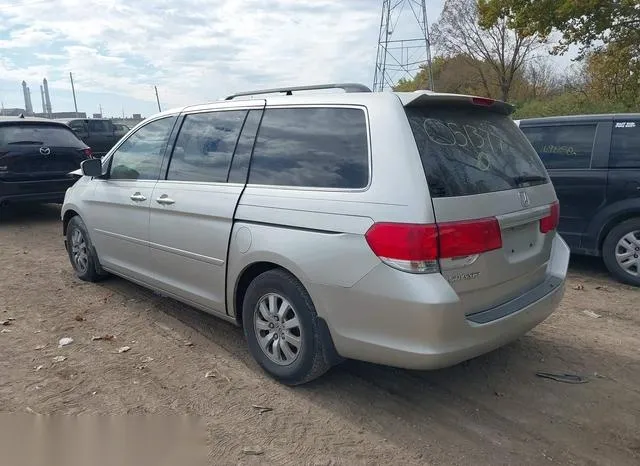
[473, 151]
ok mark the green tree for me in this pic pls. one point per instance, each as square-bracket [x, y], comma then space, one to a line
[583, 22]
[613, 74]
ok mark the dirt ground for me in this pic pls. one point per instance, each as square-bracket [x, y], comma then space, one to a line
[492, 410]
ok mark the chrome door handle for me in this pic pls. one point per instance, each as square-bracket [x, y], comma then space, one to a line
[138, 197]
[165, 200]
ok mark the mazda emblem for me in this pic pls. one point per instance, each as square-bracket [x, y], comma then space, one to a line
[45, 150]
[524, 199]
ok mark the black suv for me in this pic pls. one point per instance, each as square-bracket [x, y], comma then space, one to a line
[594, 163]
[36, 157]
[99, 133]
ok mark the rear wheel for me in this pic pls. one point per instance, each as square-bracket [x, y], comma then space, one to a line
[283, 330]
[81, 253]
[621, 252]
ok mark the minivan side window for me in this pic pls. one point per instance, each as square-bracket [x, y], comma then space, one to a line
[563, 147]
[205, 146]
[625, 145]
[312, 147]
[244, 148]
[78, 125]
[140, 156]
[99, 126]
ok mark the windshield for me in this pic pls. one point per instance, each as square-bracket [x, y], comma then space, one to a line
[467, 151]
[47, 135]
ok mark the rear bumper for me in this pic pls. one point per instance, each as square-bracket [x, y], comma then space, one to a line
[35, 191]
[416, 322]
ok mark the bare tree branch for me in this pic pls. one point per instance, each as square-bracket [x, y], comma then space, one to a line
[499, 50]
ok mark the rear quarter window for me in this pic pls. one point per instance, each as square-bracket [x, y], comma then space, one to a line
[44, 135]
[312, 147]
[468, 151]
[563, 147]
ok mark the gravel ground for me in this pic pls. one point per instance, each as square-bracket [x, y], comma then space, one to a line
[491, 410]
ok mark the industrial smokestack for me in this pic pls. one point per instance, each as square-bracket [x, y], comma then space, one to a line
[46, 96]
[44, 107]
[25, 93]
[29, 108]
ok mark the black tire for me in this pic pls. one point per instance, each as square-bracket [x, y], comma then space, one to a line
[89, 269]
[609, 252]
[314, 357]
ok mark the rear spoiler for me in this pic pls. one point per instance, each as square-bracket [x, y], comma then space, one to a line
[422, 98]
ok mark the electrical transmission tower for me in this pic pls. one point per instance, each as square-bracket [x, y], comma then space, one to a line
[403, 43]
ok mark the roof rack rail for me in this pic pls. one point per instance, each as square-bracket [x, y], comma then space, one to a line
[347, 87]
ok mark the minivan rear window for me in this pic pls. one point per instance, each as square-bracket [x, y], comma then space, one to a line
[467, 151]
[44, 135]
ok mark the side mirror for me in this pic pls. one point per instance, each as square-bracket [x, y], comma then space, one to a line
[91, 167]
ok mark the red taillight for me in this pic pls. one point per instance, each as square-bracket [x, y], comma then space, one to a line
[459, 239]
[483, 101]
[550, 222]
[88, 152]
[404, 241]
[417, 248]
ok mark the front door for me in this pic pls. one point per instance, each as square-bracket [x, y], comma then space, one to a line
[191, 211]
[119, 205]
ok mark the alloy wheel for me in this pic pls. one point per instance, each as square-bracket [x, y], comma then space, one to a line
[277, 329]
[628, 253]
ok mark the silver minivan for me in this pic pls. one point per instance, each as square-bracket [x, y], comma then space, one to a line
[415, 230]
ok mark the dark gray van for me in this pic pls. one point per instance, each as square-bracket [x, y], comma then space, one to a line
[594, 163]
[99, 133]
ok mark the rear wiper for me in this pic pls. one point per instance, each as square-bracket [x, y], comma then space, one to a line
[525, 179]
[26, 142]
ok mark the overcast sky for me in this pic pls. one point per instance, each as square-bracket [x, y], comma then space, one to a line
[193, 50]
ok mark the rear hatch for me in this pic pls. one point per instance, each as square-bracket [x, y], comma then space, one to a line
[31, 151]
[494, 204]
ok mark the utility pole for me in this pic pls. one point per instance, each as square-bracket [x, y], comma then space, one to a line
[157, 98]
[402, 53]
[427, 40]
[73, 90]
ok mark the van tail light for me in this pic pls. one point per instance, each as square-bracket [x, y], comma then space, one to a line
[416, 248]
[404, 246]
[88, 152]
[459, 239]
[550, 222]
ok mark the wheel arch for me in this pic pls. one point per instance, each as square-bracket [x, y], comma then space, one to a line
[245, 277]
[66, 218]
[253, 270]
[614, 221]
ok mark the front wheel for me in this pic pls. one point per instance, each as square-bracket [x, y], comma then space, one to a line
[282, 328]
[621, 252]
[81, 253]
